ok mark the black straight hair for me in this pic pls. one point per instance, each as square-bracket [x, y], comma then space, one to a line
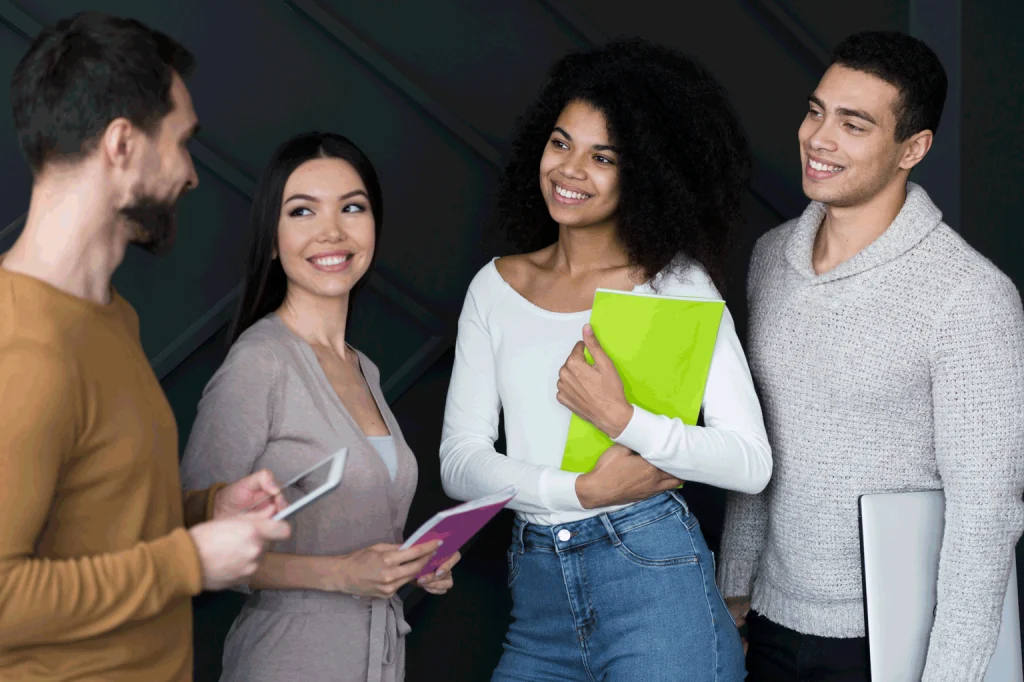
[264, 283]
[84, 72]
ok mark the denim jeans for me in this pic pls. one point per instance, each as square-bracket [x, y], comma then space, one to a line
[623, 597]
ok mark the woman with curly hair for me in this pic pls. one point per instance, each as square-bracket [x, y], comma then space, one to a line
[626, 174]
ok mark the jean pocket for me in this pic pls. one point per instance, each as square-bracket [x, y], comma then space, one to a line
[663, 542]
[513, 558]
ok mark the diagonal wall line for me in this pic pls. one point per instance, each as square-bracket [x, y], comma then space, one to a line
[15, 19]
[575, 22]
[815, 56]
[347, 39]
[775, 195]
[10, 233]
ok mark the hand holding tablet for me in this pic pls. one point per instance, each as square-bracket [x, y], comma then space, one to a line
[333, 465]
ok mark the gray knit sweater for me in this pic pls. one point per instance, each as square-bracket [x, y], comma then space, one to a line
[900, 369]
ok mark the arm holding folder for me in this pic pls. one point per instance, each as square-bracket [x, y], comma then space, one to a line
[731, 451]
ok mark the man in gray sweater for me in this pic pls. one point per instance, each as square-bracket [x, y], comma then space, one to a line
[890, 356]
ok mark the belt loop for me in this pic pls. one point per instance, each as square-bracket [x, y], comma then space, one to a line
[678, 496]
[611, 530]
[521, 545]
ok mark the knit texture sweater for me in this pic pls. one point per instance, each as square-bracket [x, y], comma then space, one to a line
[900, 369]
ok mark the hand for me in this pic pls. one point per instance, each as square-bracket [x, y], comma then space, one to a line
[441, 581]
[230, 549]
[621, 476]
[381, 569]
[240, 496]
[594, 392]
[739, 607]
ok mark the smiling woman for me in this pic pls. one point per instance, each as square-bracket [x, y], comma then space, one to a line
[626, 174]
[291, 391]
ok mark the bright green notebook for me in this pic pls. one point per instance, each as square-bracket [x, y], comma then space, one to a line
[662, 347]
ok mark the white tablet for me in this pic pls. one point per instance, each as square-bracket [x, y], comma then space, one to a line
[336, 462]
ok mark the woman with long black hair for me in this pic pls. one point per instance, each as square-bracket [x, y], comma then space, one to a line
[628, 173]
[292, 391]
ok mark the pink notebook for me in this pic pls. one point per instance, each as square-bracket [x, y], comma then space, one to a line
[457, 525]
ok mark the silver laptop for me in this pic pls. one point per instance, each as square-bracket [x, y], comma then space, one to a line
[901, 536]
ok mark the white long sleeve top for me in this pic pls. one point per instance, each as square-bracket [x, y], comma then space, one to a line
[507, 357]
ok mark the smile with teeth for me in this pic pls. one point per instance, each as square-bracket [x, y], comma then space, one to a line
[570, 195]
[823, 167]
[331, 260]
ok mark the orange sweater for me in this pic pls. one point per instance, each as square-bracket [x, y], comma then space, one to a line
[96, 569]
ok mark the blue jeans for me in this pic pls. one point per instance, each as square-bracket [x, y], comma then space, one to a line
[623, 597]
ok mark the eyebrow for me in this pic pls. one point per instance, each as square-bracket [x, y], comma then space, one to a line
[307, 197]
[843, 111]
[596, 147]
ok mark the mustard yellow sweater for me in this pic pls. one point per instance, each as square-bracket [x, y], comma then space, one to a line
[96, 567]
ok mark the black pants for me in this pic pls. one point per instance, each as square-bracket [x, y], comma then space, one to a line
[778, 654]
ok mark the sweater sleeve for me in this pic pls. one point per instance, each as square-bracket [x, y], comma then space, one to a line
[470, 466]
[54, 601]
[233, 422]
[978, 403]
[745, 527]
[731, 450]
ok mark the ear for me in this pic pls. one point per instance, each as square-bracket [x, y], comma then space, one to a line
[119, 142]
[915, 148]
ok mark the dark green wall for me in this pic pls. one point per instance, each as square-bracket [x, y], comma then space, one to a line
[430, 90]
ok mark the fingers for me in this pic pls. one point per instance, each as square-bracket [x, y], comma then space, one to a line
[442, 573]
[593, 345]
[450, 563]
[273, 531]
[414, 553]
[440, 586]
[264, 480]
[396, 577]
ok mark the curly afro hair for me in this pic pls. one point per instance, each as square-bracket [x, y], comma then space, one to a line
[684, 160]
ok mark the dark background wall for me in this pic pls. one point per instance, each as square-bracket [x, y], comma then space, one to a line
[430, 89]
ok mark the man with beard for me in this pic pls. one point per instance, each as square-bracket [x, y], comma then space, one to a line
[100, 552]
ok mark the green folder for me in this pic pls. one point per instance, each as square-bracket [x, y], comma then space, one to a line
[662, 347]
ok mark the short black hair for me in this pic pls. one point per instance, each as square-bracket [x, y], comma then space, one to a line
[683, 158]
[905, 63]
[265, 284]
[86, 71]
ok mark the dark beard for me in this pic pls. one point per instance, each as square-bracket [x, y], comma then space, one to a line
[156, 224]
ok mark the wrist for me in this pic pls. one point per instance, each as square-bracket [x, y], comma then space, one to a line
[583, 491]
[336, 576]
[619, 420]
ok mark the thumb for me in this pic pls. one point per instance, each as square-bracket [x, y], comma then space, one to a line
[593, 345]
[273, 530]
[264, 480]
[265, 512]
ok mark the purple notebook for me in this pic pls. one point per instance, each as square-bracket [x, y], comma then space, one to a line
[457, 525]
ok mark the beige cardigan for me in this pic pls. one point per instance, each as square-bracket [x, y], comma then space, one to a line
[271, 406]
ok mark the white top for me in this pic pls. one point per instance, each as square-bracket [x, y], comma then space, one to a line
[507, 356]
[385, 446]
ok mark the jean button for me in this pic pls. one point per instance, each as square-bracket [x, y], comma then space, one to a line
[564, 535]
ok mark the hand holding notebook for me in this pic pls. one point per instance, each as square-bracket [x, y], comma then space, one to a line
[457, 525]
[590, 386]
[661, 347]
